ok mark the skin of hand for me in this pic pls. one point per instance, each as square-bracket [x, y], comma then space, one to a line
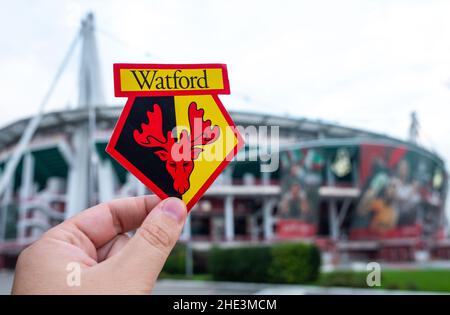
[110, 261]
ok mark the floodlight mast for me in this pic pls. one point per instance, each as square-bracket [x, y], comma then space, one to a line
[414, 128]
[83, 171]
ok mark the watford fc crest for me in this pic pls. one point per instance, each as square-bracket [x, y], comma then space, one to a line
[174, 134]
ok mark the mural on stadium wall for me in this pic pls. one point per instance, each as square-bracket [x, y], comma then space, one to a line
[302, 175]
[303, 172]
[403, 194]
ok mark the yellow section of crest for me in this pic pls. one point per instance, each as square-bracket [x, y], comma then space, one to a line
[157, 80]
[213, 154]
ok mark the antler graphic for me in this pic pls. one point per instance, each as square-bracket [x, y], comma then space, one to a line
[201, 131]
[152, 135]
[178, 154]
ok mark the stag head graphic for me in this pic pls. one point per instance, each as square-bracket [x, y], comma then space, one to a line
[178, 154]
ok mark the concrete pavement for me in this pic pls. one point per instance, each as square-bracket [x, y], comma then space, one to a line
[193, 287]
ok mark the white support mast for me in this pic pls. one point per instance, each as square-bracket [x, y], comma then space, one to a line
[414, 128]
[82, 175]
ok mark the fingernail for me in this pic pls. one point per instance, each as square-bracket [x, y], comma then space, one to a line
[175, 208]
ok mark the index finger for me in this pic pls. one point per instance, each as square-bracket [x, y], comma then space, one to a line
[104, 221]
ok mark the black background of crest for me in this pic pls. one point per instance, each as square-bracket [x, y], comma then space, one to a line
[141, 157]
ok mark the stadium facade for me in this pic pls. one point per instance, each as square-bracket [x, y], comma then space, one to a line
[358, 195]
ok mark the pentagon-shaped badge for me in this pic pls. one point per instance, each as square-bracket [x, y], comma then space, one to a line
[174, 134]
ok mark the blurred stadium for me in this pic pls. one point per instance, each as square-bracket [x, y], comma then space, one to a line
[358, 195]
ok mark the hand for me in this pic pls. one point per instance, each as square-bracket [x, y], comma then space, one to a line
[110, 261]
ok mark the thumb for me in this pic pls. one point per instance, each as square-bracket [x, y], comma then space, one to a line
[142, 259]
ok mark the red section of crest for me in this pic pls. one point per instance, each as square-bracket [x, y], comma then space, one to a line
[178, 155]
[152, 132]
[111, 149]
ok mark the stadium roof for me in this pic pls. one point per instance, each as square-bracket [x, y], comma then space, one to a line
[292, 129]
[106, 116]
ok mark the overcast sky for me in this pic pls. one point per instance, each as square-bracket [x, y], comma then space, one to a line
[366, 64]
